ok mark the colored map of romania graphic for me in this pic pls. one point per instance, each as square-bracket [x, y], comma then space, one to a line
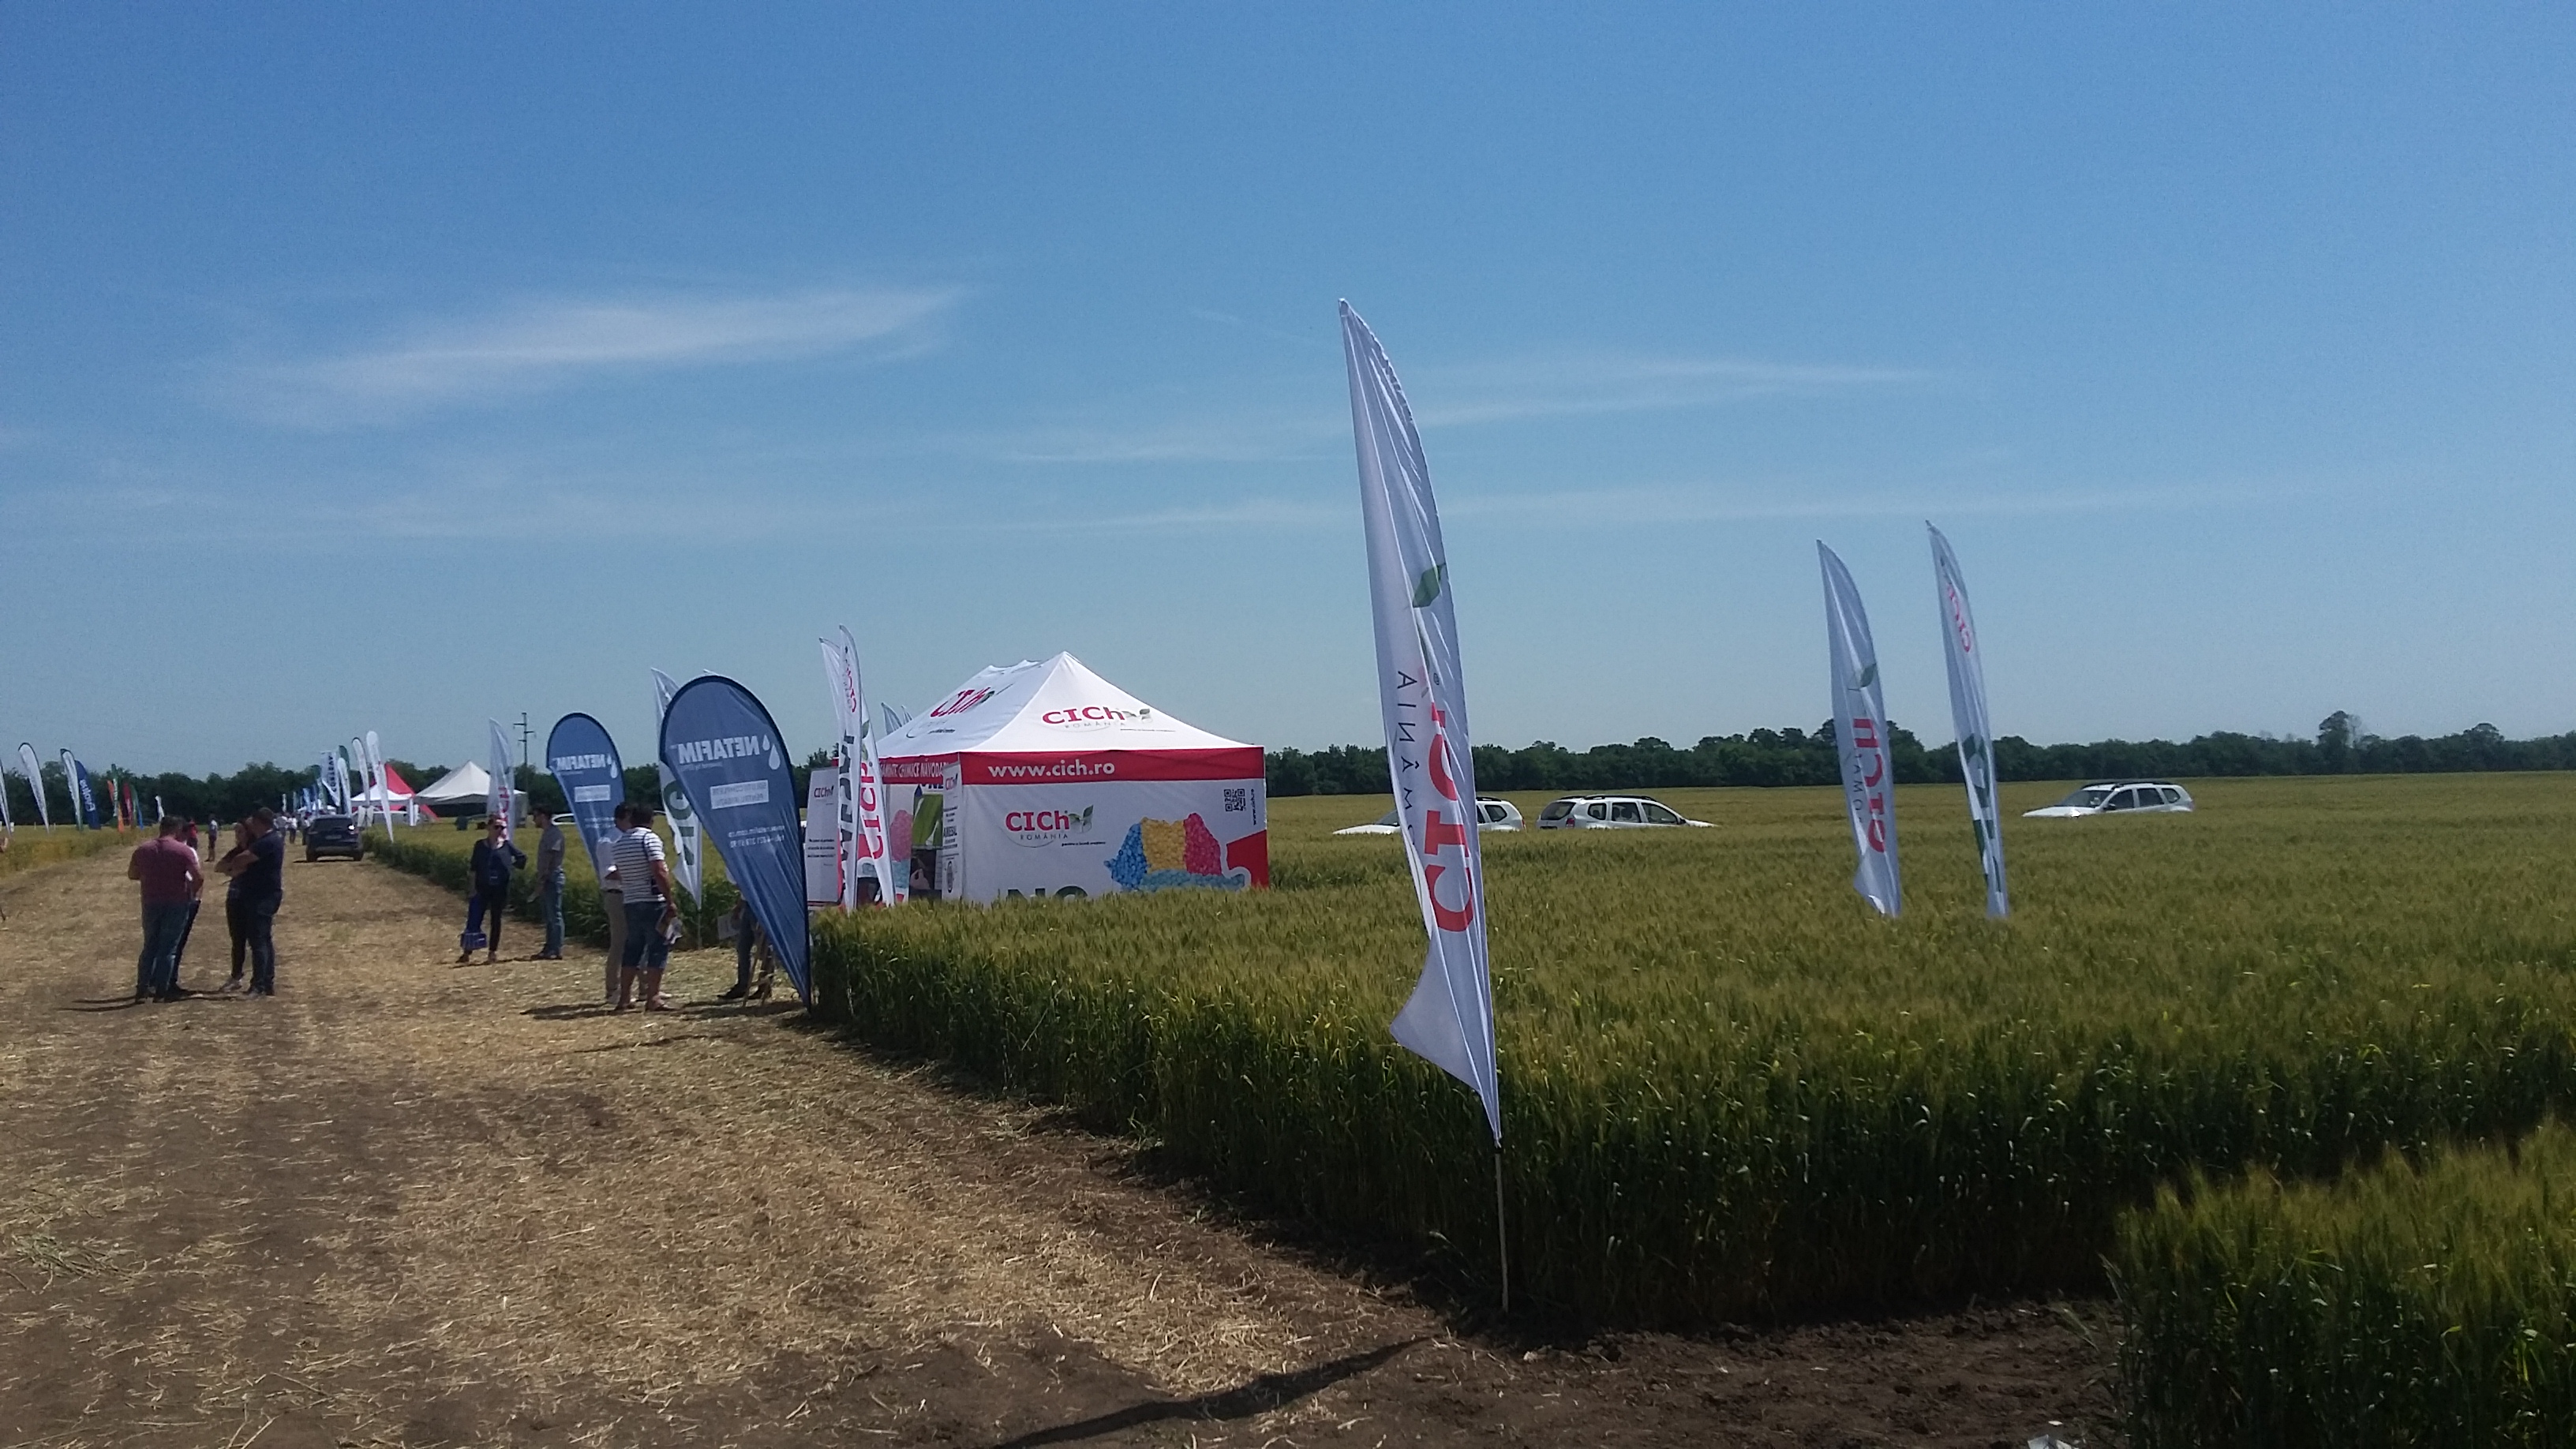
[1161, 854]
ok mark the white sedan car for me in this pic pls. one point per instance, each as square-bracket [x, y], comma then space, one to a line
[1490, 815]
[2124, 797]
[1611, 812]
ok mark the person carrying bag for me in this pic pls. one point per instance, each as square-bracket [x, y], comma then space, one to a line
[496, 859]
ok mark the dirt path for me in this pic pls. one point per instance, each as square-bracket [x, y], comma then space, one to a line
[406, 1202]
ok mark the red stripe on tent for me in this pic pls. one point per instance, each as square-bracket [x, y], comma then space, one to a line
[1054, 769]
[916, 769]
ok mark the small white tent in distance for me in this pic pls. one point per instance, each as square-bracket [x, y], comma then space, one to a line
[1045, 779]
[468, 785]
[464, 792]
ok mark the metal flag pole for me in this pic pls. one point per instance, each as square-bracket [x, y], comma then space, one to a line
[1502, 1240]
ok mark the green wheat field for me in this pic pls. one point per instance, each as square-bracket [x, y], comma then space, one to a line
[1732, 1091]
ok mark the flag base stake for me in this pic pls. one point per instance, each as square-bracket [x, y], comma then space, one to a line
[1502, 1245]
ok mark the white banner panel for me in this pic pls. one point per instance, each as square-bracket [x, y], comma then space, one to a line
[498, 802]
[1075, 839]
[951, 776]
[822, 853]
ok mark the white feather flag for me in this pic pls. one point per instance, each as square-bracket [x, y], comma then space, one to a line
[1968, 717]
[1860, 738]
[1450, 1018]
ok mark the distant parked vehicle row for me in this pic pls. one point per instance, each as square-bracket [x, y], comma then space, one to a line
[2106, 797]
[1641, 812]
[1574, 812]
[1491, 814]
[1611, 812]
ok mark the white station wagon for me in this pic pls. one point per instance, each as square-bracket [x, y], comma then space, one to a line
[2109, 797]
[1610, 812]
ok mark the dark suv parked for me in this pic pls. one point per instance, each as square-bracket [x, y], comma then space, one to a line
[333, 835]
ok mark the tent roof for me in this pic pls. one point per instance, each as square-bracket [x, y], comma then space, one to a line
[394, 788]
[467, 782]
[1034, 707]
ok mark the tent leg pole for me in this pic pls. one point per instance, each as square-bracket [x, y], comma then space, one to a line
[1502, 1245]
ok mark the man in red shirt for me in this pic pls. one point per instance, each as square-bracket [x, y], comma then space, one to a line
[170, 875]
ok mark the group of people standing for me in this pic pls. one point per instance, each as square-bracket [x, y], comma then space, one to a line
[172, 873]
[635, 892]
[635, 888]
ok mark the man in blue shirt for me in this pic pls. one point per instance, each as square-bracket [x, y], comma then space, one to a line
[259, 872]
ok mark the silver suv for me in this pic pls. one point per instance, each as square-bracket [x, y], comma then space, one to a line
[1610, 812]
[2121, 797]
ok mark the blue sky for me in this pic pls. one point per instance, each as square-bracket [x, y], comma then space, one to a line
[395, 368]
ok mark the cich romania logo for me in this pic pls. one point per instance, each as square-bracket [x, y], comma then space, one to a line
[1049, 827]
[1092, 716]
[962, 701]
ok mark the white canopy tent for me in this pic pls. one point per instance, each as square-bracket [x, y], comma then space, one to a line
[1046, 779]
[466, 791]
[469, 784]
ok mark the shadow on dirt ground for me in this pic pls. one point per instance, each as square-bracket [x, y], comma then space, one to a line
[408, 1203]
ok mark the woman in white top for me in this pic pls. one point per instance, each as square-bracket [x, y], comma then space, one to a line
[644, 876]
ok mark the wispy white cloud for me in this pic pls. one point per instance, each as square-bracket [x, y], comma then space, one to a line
[439, 502]
[1575, 384]
[1234, 515]
[545, 344]
[1626, 507]
[1453, 396]
[1630, 507]
[1317, 340]
[1245, 437]
[473, 510]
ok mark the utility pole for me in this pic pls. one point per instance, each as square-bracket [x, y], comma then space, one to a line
[523, 739]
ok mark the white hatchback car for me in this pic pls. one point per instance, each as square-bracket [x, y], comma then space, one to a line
[2124, 797]
[1610, 812]
[1490, 815]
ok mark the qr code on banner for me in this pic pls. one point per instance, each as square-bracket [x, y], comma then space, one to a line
[1238, 800]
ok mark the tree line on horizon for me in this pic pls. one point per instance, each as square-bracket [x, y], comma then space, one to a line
[1800, 757]
[230, 797]
[1758, 758]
